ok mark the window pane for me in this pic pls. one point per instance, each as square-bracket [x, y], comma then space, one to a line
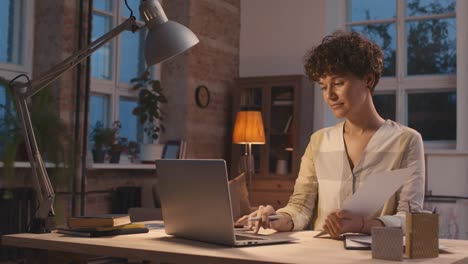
[101, 60]
[8, 120]
[105, 5]
[130, 124]
[431, 46]
[3, 133]
[385, 105]
[7, 108]
[429, 7]
[385, 36]
[2, 102]
[433, 114]
[132, 62]
[134, 5]
[99, 106]
[371, 10]
[11, 28]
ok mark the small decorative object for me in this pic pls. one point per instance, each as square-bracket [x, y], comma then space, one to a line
[202, 96]
[282, 167]
[280, 152]
[387, 243]
[422, 235]
[171, 150]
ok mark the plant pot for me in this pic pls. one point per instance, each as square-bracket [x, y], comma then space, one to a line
[150, 152]
[99, 155]
[115, 156]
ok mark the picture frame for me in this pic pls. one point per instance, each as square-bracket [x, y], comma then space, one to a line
[171, 149]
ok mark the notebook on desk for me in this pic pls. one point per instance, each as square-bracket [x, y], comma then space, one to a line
[196, 203]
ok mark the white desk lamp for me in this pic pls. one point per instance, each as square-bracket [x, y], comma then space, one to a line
[165, 39]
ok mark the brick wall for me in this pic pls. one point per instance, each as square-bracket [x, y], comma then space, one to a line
[214, 62]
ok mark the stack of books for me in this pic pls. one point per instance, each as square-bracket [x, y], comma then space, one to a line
[102, 225]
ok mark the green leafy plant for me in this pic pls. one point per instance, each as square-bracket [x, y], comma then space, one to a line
[148, 110]
[107, 140]
[104, 137]
[49, 130]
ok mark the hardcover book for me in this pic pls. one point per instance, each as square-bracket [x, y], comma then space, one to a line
[105, 220]
[97, 233]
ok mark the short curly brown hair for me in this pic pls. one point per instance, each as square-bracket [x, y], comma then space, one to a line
[342, 53]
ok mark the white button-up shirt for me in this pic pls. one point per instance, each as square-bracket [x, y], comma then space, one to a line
[325, 178]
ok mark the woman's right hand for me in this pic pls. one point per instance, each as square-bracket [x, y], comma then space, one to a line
[282, 224]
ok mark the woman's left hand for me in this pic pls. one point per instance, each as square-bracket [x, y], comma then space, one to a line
[341, 221]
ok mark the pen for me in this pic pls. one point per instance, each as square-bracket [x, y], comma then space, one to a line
[321, 234]
[270, 217]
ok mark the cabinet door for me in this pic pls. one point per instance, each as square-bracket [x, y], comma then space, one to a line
[280, 132]
[286, 103]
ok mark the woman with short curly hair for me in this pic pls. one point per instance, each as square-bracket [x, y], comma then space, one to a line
[339, 159]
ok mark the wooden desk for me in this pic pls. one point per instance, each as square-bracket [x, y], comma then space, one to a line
[157, 247]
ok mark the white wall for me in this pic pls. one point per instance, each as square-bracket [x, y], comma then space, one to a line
[275, 34]
[447, 173]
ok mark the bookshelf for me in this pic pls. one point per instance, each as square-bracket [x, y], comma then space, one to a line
[286, 103]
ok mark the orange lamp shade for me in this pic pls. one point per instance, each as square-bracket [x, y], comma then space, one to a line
[248, 128]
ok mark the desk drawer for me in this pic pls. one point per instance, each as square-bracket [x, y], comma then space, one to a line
[273, 185]
[275, 199]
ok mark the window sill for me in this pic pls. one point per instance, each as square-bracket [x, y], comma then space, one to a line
[445, 152]
[26, 164]
[93, 166]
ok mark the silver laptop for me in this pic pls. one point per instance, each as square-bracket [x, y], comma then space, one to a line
[196, 205]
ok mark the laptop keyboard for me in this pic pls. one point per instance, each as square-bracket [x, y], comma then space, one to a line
[241, 237]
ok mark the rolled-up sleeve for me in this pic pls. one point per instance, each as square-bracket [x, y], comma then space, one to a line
[302, 202]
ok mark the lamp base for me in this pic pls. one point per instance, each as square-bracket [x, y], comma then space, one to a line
[40, 226]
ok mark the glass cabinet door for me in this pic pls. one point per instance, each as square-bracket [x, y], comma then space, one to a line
[280, 130]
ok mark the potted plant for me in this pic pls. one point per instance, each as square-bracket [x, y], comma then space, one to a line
[131, 150]
[148, 110]
[107, 141]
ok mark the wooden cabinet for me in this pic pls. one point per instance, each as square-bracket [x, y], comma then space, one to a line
[286, 103]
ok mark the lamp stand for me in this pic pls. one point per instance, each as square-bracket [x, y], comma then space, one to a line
[249, 165]
[22, 92]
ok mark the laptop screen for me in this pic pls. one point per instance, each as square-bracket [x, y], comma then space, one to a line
[195, 199]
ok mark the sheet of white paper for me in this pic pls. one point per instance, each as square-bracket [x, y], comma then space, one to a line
[377, 188]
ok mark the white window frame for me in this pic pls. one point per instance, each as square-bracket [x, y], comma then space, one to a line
[401, 85]
[113, 88]
[10, 70]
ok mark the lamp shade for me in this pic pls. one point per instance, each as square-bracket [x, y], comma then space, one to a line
[248, 128]
[165, 38]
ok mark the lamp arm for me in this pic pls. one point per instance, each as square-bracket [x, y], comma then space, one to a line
[51, 75]
[21, 92]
